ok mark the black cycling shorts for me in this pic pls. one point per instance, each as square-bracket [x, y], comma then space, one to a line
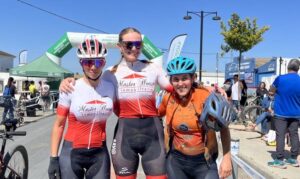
[91, 163]
[139, 137]
[184, 166]
[65, 161]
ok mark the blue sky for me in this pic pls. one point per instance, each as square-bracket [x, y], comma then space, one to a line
[24, 27]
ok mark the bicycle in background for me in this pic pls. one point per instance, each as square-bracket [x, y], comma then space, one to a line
[251, 110]
[13, 163]
[19, 110]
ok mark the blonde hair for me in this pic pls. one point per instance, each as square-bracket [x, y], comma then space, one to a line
[126, 31]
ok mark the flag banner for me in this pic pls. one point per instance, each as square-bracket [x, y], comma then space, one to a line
[23, 57]
[176, 46]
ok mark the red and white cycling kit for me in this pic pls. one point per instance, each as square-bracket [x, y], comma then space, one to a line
[87, 109]
[135, 83]
[139, 131]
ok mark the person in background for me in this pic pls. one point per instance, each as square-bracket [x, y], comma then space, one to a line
[25, 88]
[45, 95]
[32, 89]
[261, 92]
[287, 114]
[26, 85]
[227, 88]
[9, 99]
[40, 87]
[243, 93]
[236, 90]
[266, 117]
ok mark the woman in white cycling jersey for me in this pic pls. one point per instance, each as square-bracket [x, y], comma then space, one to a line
[84, 153]
[139, 131]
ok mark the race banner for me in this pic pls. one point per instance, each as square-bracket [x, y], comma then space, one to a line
[176, 46]
[23, 57]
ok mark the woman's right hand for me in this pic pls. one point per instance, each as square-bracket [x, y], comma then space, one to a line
[65, 86]
[53, 169]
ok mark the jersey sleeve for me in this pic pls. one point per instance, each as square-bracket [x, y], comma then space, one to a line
[64, 104]
[162, 80]
[110, 77]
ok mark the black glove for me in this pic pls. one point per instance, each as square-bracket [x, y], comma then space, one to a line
[53, 170]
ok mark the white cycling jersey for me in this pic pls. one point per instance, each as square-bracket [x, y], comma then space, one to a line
[87, 109]
[135, 84]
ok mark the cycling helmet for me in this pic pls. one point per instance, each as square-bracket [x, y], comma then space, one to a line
[91, 48]
[217, 107]
[181, 65]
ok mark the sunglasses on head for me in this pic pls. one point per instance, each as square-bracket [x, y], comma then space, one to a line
[97, 62]
[129, 44]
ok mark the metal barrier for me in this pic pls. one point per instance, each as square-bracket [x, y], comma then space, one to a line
[242, 170]
[35, 101]
[53, 101]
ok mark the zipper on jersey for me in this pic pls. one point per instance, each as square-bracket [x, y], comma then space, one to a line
[138, 99]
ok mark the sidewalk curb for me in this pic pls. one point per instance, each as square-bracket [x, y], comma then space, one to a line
[27, 121]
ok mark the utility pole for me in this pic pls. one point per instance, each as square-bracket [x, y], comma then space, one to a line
[217, 67]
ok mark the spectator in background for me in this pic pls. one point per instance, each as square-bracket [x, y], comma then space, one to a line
[227, 88]
[267, 115]
[25, 88]
[45, 95]
[287, 114]
[14, 83]
[236, 90]
[243, 93]
[261, 92]
[26, 85]
[9, 95]
[40, 87]
[32, 89]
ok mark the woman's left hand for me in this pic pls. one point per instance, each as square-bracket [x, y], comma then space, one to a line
[225, 167]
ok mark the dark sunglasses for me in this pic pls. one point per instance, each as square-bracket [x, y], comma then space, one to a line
[97, 62]
[129, 44]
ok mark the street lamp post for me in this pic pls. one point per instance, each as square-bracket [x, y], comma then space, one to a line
[201, 14]
[217, 67]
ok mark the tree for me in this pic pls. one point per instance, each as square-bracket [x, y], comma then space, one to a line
[241, 36]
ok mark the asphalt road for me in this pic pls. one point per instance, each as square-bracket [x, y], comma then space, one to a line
[37, 143]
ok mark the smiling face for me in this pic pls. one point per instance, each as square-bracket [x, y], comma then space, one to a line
[131, 46]
[182, 84]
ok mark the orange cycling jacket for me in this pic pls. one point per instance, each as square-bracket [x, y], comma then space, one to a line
[189, 137]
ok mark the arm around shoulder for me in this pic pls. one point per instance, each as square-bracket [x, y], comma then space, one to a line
[163, 105]
[65, 86]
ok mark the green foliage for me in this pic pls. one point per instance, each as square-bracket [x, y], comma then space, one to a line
[241, 35]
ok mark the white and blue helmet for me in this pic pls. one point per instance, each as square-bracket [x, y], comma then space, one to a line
[217, 107]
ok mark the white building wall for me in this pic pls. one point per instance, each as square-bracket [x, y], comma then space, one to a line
[209, 78]
[6, 63]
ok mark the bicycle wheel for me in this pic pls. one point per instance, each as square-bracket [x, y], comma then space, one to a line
[250, 113]
[16, 164]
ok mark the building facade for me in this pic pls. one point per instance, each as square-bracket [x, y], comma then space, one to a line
[256, 70]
